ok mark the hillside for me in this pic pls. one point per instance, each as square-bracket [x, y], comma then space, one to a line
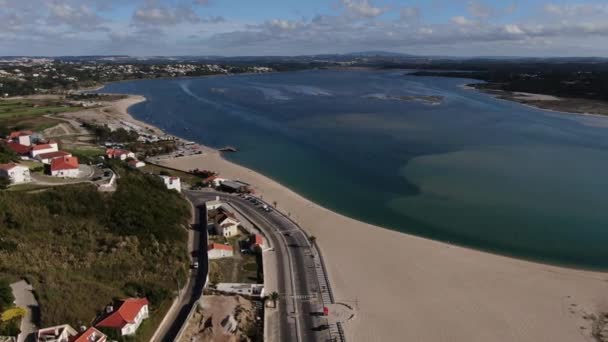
[81, 248]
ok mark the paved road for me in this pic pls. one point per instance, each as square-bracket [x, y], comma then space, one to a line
[301, 280]
[194, 288]
[24, 297]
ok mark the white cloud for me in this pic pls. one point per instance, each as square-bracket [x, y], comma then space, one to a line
[362, 8]
[80, 17]
[409, 13]
[154, 13]
[461, 20]
[479, 10]
[513, 29]
[576, 10]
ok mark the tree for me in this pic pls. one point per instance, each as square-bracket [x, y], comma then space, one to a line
[274, 297]
[6, 295]
[4, 183]
[274, 203]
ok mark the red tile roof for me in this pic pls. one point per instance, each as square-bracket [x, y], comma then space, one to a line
[18, 148]
[42, 147]
[53, 155]
[89, 335]
[219, 246]
[256, 239]
[65, 163]
[125, 314]
[17, 134]
[116, 152]
[7, 166]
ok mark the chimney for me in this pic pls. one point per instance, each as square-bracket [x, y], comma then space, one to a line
[109, 309]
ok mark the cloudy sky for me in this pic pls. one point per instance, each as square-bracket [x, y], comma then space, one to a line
[294, 27]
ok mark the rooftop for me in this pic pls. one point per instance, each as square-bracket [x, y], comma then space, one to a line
[65, 163]
[8, 166]
[56, 154]
[18, 148]
[219, 246]
[125, 314]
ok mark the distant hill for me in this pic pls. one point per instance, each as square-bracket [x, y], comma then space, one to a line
[378, 54]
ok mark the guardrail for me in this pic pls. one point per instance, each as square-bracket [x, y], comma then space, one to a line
[341, 336]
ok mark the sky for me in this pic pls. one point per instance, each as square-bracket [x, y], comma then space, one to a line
[299, 27]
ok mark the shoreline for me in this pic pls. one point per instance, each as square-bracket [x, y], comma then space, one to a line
[478, 296]
[537, 105]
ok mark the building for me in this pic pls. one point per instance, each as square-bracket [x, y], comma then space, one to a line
[60, 333]
[15, 173]
[213, 205]
[232, 186]
[90, 335]
[256, 241]
[225, 223]
[19, 149]
[136, 164]
[128, 317]
[21, 137]
[172, 183]
[218, 250]
[114, 153]
[46, 158]
[254, 290]
[43, 148]
[64, 167]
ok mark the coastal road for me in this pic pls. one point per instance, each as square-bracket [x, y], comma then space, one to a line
[192, 291]
[302, 282]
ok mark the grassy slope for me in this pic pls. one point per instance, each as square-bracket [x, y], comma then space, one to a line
[81, 248]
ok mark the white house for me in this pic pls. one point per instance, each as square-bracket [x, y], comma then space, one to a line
[215, 204]
[114, 153]
[15, 173]
[65, 167]
[172, 183]
[60, 333]
[128, 317]
[136, 164]
[218, 250]
[225, 223]
[90, 335]
[44, 148]
[21, 137]
[46, 158]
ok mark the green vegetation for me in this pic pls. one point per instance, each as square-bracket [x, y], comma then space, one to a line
[20, 108]
[104, 133]
[6, 294]
[87, 155]
[242, 268]
[80, 248]
[28, 114]
[10, 317]
[7, 155]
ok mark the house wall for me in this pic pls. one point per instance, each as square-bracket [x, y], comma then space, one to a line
[131, 328]
[25, 140]
[46, 150]
[219, 253]
[17, 175]
[71, 173]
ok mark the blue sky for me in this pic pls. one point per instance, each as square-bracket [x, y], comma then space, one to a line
[291, 27]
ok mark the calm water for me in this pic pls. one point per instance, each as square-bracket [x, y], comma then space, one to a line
[473, 170]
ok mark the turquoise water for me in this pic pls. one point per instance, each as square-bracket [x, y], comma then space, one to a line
[472, 170]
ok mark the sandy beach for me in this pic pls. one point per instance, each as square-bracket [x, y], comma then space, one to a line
[406, 288]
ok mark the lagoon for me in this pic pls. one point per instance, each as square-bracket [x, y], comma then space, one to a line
[470, 170]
